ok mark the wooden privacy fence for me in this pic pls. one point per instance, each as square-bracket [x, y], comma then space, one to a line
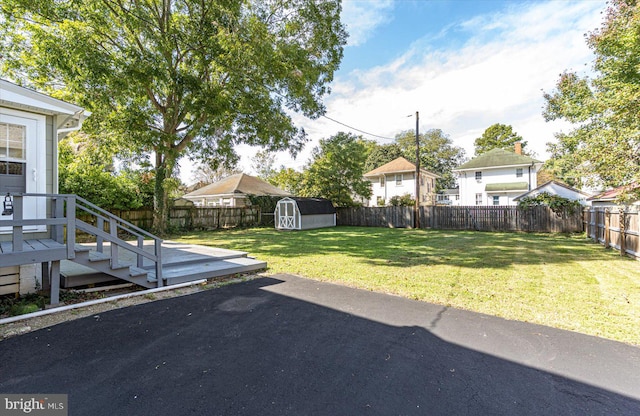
[480, 218]
[194, 218]
[616, 228]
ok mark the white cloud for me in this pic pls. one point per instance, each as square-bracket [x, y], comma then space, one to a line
[496, 76]
[362, 18]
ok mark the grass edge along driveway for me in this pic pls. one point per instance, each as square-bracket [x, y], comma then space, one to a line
[563, 281]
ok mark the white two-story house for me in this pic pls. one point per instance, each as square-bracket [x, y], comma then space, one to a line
[497, 177]
[397, 178]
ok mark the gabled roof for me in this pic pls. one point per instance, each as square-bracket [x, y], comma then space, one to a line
[551, 184]
[398, 165]
[238, 184]
[497, 158]
[21, 98]
[314, 206]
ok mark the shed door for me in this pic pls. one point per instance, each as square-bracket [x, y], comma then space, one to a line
[286, 219]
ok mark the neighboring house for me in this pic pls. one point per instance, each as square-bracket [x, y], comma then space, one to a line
[448, 197]
[559, 189]
[608, 198]
[233, 191]
[31, 124]
[397, 178]
[496, 177]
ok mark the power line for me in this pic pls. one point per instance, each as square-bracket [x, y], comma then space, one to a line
[356, 129]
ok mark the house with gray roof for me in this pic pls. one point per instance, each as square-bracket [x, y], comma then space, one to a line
[233, 191]
[497, 177]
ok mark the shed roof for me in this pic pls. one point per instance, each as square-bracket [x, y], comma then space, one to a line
[314, 206]
[550, 185]
[396, 166]
[497, 158]
[240, 183]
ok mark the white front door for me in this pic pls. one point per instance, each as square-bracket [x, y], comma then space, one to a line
[22, 160]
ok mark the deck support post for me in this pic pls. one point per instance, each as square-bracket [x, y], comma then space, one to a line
[46, 277]
[55, 283]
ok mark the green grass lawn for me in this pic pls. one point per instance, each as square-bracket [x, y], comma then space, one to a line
[562, 281]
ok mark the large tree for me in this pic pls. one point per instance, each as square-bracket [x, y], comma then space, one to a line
[287, 179]
[165, 78]
[438, 154]
[336, 168]
[382, 154]
[605, 142]
[498, 136]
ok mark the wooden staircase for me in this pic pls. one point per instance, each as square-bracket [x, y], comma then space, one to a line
[118, 250]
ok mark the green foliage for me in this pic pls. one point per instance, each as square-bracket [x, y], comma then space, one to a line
[381, 155]
[179, 77]
[265, 202]
[13, 306]
[437, 154]
[335, 170]
[604, 145]
[498, 136]
[402, 201]
[287, 179]
[557, 203]
[87, 172]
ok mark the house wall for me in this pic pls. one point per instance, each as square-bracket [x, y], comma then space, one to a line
[408, 186]
[469, 186]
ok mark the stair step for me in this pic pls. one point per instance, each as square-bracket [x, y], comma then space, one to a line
[78, 248]
[96, 256]
[136, 271]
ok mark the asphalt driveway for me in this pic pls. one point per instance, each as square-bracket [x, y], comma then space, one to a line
[292, 346]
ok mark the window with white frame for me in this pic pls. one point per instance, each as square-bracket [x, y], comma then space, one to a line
[496, 200]
[12, 149]
[381, 181]
[478, 176]
[478, 199]
[399, 179]
[519, 173]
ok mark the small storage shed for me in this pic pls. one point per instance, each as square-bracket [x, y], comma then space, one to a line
[293, 213]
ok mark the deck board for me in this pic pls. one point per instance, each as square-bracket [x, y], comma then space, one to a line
[33, 251]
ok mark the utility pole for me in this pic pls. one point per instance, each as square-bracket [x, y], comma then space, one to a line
[416, 216]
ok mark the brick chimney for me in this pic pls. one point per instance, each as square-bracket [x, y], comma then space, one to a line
[518, 148]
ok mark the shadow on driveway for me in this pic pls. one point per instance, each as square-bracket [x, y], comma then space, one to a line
[292, 346]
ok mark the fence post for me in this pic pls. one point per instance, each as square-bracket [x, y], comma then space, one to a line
[623, 220]
[607, 231]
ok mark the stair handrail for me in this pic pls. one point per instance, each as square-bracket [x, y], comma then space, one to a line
[73, 223]
[116, 223]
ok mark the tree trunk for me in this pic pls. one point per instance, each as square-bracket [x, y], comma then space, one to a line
[160, 199]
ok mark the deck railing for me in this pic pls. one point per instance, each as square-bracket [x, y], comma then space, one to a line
[63, 215]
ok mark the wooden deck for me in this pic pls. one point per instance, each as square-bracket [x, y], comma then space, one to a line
[33, 251]
[180, 263]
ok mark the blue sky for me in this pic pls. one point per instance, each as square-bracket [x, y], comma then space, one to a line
[464, 65]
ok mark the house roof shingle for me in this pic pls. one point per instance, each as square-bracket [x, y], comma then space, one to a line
[495, 158]
[396, 166]
[238, 184]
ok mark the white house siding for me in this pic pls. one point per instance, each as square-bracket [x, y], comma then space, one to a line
[469, 186]
[391, 189]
